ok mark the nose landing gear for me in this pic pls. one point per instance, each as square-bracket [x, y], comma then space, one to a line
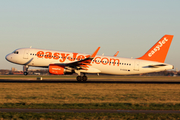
[25, 73]
[25, 69]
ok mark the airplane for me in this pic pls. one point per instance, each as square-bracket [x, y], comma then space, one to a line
[62, 63]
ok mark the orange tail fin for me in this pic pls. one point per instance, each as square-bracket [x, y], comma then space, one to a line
[159, 51]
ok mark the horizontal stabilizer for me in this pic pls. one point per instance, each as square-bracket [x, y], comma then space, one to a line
[154, 66]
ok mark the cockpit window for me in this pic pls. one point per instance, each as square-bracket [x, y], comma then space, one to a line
[15, 52]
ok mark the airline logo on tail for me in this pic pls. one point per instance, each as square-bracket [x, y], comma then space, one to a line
[158, 47]
[159, 51]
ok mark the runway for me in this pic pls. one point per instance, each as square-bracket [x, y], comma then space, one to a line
[88, 111]
[90, 81]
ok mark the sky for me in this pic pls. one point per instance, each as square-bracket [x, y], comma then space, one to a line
[131, 27]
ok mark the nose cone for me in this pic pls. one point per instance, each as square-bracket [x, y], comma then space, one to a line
[8, 57]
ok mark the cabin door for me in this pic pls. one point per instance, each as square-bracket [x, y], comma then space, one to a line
[26, 54]
[136, 65]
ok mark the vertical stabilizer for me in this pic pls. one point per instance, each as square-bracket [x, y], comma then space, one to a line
[159, 51]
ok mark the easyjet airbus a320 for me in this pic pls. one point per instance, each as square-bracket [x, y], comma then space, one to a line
[61, 62]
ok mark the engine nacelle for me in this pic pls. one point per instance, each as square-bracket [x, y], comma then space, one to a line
[56, 69]
[59, 70]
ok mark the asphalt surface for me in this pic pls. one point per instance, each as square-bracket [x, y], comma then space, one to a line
[90, 81]
[87, 111]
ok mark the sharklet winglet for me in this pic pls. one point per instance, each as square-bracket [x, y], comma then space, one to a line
[94, 54]
[116, 54]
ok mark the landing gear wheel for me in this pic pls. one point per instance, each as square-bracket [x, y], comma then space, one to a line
[25, 69]
[78, 78]
[84, 78]
[25, 73]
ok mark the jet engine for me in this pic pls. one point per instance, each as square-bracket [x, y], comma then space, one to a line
[59, 70]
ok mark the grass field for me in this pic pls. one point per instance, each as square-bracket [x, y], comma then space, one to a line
[87, 116]
[88, 93]
[92, 92]
[93, 95]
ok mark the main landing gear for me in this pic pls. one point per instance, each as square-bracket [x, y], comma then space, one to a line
[81, 78]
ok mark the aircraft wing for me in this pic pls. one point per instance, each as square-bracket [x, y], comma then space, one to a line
[81, 64]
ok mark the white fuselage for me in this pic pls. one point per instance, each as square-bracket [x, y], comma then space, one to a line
[100, 64]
